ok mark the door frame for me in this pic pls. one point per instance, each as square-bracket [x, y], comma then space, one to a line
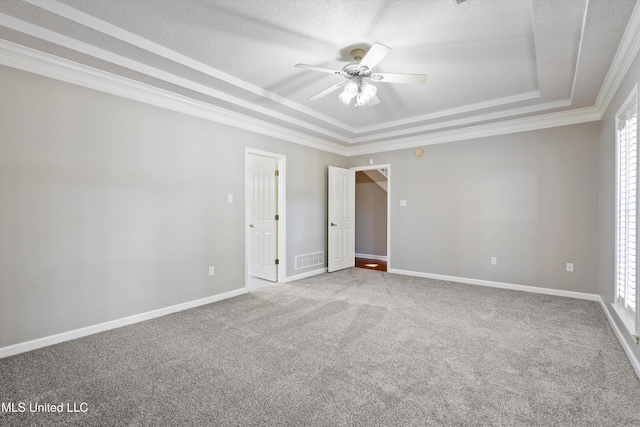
[281, 244]
[386, 166]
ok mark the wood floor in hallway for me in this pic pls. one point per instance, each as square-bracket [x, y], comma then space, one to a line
[371, 264]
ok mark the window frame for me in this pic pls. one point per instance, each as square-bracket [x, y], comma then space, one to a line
[631, 322]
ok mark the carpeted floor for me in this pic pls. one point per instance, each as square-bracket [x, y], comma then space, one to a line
[356, 347]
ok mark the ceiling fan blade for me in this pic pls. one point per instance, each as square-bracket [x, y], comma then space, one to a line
[374, 55]
[328, 90]
[373, 101]
[320, 69]
[416, 79]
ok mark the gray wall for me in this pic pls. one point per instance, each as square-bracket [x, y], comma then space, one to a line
[608, 197]
[371, 216]
[111, 208]
[528, 199]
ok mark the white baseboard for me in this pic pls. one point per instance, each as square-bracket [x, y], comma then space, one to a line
[90, 330]
[369, 256]
[304, 275]
[501, 285]
[625, 344]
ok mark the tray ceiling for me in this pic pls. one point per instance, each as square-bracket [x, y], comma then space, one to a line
[487, 61]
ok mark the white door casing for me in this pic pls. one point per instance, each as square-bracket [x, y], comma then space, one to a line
[341, 218]
[263, 226]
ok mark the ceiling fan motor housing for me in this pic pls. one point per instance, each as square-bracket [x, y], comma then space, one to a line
[356, 70]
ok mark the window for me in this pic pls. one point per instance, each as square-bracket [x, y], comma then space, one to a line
[626, 298]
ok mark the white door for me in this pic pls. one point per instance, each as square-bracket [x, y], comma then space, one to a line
[263, 224]
[342, 193]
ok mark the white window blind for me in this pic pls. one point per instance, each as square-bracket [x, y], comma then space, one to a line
[626, 212]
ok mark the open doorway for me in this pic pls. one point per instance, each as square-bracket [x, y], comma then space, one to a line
[372, 217]
[264, 218]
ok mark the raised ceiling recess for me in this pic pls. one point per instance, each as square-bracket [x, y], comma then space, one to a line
[493, 66]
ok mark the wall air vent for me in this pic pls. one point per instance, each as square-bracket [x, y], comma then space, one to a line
[309, 260]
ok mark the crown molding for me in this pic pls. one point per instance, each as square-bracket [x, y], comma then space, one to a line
[30, 60]
[44, 64]
[118, 33]
[498, 115]
[582, 28]
[113, 58]
[454, 111]
[345, 133]
[626, 53]
[543, 121]
[33, 61]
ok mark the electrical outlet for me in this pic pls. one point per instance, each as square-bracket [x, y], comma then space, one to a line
[212, 271]
[494, 260]
[570, 267]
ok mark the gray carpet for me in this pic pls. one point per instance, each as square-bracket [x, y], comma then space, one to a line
[356, 347]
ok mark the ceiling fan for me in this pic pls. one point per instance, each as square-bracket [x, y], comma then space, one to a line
[356, 72]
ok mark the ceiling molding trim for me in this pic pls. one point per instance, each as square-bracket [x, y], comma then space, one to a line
[626, 53]
[470, 120]
[582, 28]
[562, 118]
[156, 49]
[453, 111]
[96, 52]
[30, 60]
[44, 64]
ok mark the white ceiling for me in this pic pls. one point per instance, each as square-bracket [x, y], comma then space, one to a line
[487, 61]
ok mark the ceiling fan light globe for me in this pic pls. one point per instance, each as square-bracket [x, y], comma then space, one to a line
[368, 90]
[351, 89]
[361, 100]
[344, 97]
[348, 93]
[365, 94]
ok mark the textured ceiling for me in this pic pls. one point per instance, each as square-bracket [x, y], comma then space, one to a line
[486, 60]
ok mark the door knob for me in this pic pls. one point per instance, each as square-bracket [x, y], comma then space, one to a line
[334, 225]
[250, 225]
